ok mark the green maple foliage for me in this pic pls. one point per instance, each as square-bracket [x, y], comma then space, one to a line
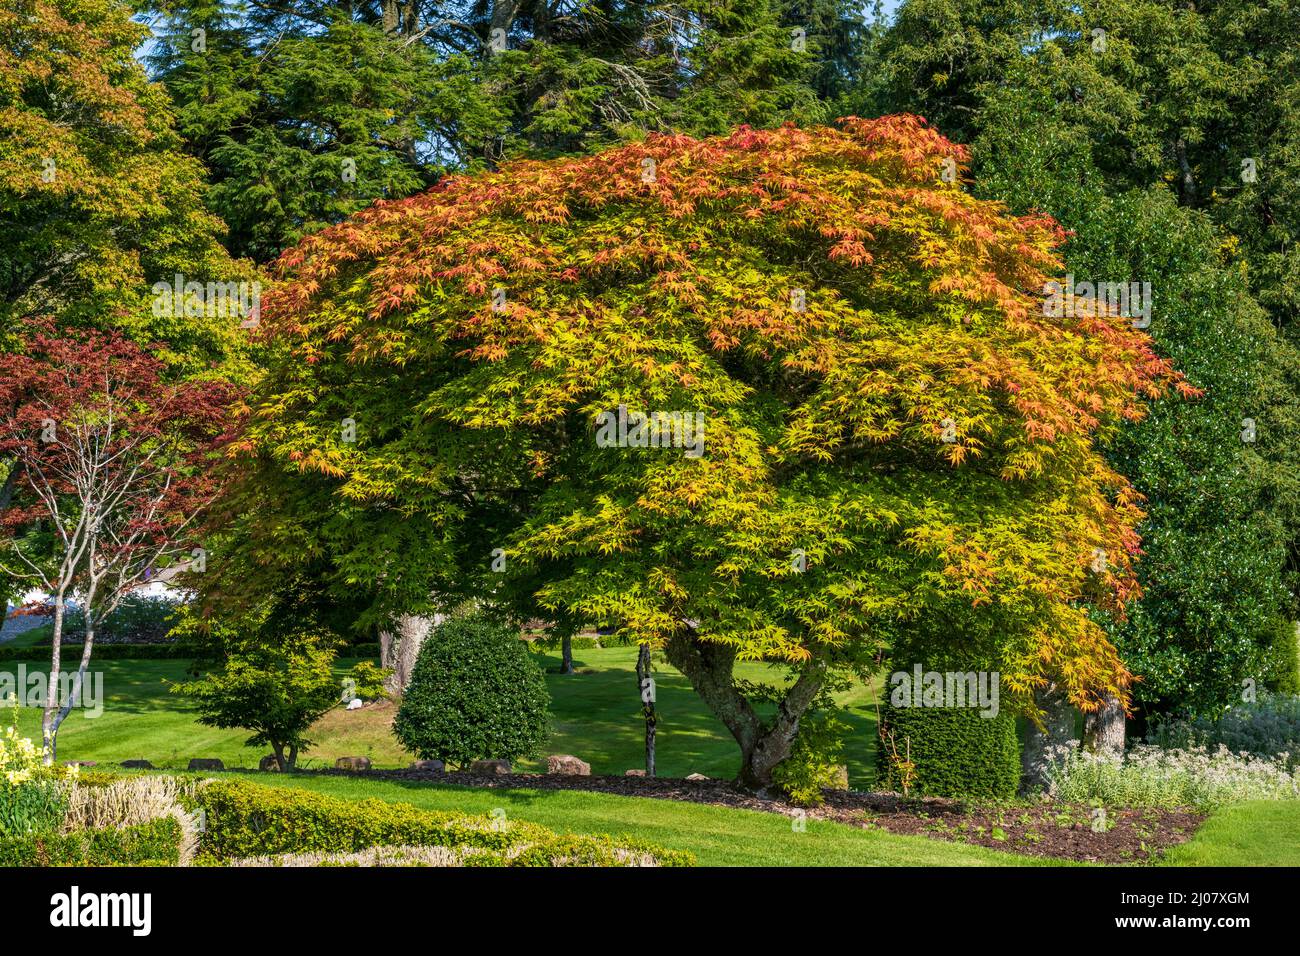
[894, 430]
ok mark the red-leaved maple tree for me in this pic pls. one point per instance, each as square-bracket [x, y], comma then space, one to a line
[107, 474]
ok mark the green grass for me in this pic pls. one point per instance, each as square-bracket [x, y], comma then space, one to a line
[1258, 833]
[31, 637]
[596, 715]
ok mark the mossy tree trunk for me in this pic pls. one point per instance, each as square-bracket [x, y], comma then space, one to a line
[399, 646]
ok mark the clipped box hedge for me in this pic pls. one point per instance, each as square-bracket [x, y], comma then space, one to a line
[247, 820]
[957, 752]
[157, 843]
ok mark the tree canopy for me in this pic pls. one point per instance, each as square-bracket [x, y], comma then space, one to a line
[305, 113]
[894, 429]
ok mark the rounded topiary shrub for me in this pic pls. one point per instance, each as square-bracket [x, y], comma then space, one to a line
[475, 694]
[955, 752]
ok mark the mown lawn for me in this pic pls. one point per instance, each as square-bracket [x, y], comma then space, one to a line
[1258, 833]
[596, 715]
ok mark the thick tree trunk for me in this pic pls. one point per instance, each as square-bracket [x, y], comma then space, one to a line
[1047, 747]
[399, 647]
[709, 668]
[646, 685]
[566, 653]
[285, 763]
[777, 739]
[504, 13]
[1103, 730]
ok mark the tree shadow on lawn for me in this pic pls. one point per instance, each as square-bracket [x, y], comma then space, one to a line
[596, 716]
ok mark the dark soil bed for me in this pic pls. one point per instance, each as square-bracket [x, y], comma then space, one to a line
[1036, 829]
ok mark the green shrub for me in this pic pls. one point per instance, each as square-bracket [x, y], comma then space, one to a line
[597, 851]
[143, 652]
[955, 752]
[138, 617]
[475, 694]
[278, 689]
[35, 806]
[156, 843]
[246, 820]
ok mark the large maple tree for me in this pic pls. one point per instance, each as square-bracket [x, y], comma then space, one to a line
[895, 433]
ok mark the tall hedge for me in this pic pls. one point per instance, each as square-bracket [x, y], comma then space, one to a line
[957, 752]
[475, 694]
[1284, 658]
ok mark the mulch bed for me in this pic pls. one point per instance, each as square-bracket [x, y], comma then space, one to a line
[1034, 829]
